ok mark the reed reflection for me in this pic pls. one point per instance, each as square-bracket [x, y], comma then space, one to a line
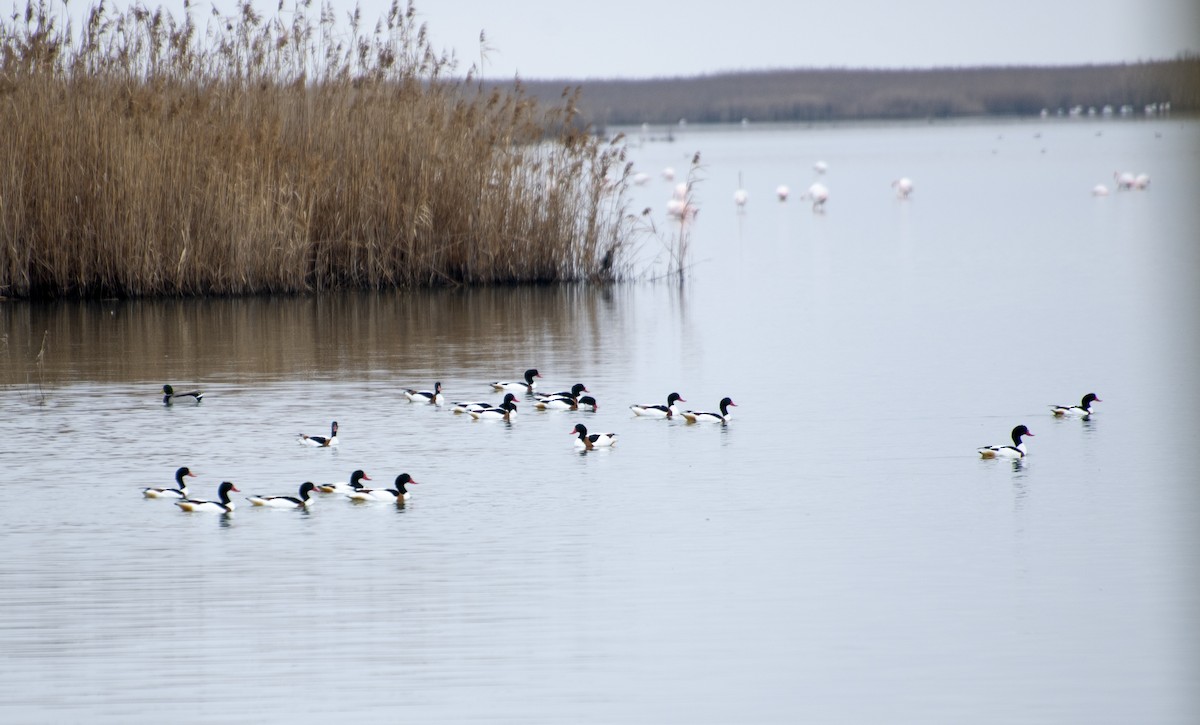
[188, 342]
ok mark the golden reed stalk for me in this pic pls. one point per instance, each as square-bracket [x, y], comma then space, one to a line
[142, 156]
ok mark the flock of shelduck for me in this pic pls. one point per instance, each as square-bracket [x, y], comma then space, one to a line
[354, 489]
[1017, 450]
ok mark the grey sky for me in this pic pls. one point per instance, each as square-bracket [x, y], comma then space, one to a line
[649, 38]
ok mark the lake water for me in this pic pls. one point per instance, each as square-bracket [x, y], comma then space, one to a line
[837, 553]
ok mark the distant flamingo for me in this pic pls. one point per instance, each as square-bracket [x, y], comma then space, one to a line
[1124, 180]
[668, 173]
[903, 187]
[819, 195]
[680, 206]
[1099, 190]
[1141, 181]
[820, 167]
[781, 192]
[740, 197]
[641, 178]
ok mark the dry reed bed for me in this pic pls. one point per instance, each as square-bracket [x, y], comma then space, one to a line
[146, 157]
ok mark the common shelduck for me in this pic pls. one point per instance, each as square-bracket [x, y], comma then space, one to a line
[1016, 450]
[525, 387]
[594, 440]
[223, 506]
[697, 416]
[1083, 410]
[506, 411]
[287, 502]
[482, 404]
[322, 441]
[397, 494]
[170, 396]
[425, 396]
[660, 411]
[181, 490]
[587, 402]
[576, 390]
[467, 406]
[354, 484]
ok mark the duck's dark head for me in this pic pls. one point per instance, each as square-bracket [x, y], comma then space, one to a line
[725, 403]
[183, 471]
[1018, 433]
[168, 390]
[403, 480]
[580, 430]
[578, 388]
[437, 388]
[508, 398]
[333, 429]
[589, 400]
[674, 398]
[358, 476]
[530, 374]
[225, 488]
[1089, 399]
[306, 488]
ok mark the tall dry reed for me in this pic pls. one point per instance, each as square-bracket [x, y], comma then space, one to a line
[143, 155]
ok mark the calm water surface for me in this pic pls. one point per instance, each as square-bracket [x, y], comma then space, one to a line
[838, 553]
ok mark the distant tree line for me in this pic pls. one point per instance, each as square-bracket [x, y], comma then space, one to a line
[837, 94]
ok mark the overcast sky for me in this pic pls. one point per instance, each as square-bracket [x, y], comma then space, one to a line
[650, 38]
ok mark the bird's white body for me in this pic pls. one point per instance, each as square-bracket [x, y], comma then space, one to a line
[394, 495]
[373, 494]
[179, 492]
[593, 440]
[433, 397]
[1083, 410]
[598, 440]
[1003, 451]
[698, 416]
[651, 410]
[518, 387]
[287, 502]
[321, 441]
[556, 404]
[221, 506]
[587, 402]
[354, 484]
[506, 411]
[903, 187]
[1016, 450]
